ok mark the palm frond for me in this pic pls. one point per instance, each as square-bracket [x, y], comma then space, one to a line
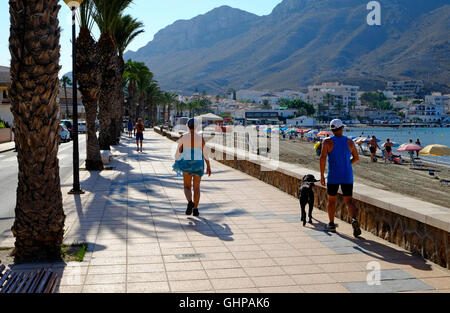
[85, 15]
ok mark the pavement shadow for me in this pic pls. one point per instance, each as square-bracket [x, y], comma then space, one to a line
[379, 251]
[209, 228]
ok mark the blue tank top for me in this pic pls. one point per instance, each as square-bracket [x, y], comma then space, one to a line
[340, 169]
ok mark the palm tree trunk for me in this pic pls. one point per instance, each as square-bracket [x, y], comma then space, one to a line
[89, 77]
[132, 102]
[121, 98]
[107, 95]
[34, 47]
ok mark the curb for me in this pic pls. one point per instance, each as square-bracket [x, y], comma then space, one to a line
[8, 150]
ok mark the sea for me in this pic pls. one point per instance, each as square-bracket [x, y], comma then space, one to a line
[427, 136]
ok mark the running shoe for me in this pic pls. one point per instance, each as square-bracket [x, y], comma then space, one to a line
[196, 213]
[331, 228]
[356, 228]
[190, 206]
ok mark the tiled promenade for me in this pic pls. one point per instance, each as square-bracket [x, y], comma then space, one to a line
[248, 237]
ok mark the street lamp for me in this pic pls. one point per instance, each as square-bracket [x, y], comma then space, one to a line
[74, 4]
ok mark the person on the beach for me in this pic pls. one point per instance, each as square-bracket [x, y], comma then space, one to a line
[419, 144]
[190, 160]
[342, 154]
[130, 129]
[373, 148]
[140, 127]
[388, 148]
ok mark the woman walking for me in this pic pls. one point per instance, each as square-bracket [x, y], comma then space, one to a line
[190, 160]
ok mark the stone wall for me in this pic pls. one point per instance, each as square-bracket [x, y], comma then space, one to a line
[429, 241]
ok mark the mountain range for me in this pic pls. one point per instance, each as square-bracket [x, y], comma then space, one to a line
[303, 42]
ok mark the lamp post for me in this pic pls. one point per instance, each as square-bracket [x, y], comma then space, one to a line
[74, 4]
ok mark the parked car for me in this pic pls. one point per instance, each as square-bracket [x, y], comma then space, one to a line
[64, 134]
[69, 126]
[82, 127]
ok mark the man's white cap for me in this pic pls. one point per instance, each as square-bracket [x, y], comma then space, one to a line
[336, 124]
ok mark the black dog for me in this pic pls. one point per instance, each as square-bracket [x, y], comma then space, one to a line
[306, 196]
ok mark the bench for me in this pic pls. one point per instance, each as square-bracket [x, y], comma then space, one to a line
[40, 281]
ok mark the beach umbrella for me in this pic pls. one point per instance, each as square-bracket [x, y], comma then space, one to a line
[324, 134]
[292, 131]
[435, 150]
[364, 140]
[409, 147]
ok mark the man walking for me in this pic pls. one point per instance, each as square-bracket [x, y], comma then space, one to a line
[140, 127]
[342, 154]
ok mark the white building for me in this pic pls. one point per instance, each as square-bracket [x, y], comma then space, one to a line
[302, 121]
[427, 113]
[5, 104]
[405, 88]
[258, 96]
[345, 94]
[436, 98]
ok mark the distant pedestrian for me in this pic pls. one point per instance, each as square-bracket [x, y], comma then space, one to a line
[190, 160]
[140, 128]
[388, 150]
[341, 154]
[130, 129]
[419, 144]
[373, 148]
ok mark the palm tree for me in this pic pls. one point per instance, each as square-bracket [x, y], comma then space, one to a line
[65, 81]
[170, 100]
[126, 31]
[89, 77]
[131, 77]
[34, 47]
[107, 17]
[153, 98]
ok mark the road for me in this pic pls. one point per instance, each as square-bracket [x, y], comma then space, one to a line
[8, 179]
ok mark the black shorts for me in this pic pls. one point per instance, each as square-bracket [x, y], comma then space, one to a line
[347, 189]
[139, 136]
[372, 150]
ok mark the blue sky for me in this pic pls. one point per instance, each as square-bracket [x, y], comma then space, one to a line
[154, 13]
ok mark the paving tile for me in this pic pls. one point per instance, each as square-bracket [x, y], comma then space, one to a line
[187, 275]
[148, 287]
[226, 273]
[302, 269]
[273, 281]
[145, 268]
[257, 262]
[146, 277]
[107, 288]
[238, 290]
[220, 264]
[236, 282]
[185, 266]
[313, 279]
[105, 279]
[439, 283]
[264, 271]
[107, 269]
[190, 285]
[282, 289]
[324, 288]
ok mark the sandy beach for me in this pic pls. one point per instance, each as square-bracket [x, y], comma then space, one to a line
[397, 178]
